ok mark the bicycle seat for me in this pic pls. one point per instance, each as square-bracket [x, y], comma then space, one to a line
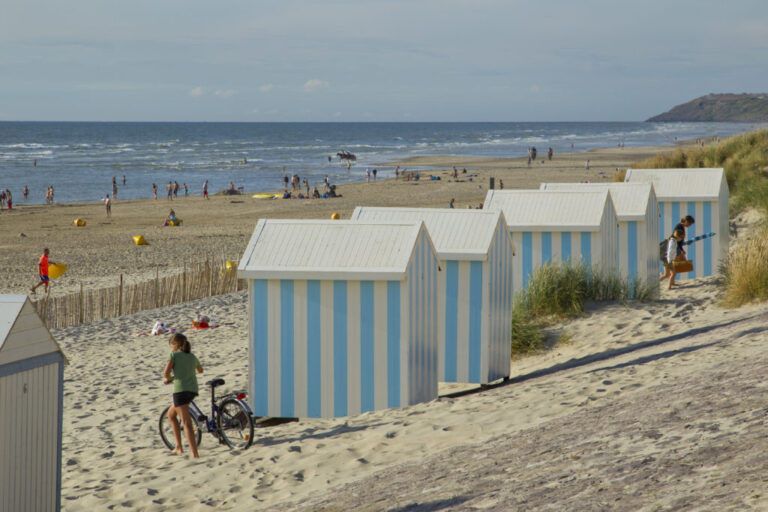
[215, 382]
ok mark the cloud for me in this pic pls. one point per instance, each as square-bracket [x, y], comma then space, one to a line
[197, 91]
[266, 87]
[314, 84]
[534, 89]
[337, 114]
[225, 93]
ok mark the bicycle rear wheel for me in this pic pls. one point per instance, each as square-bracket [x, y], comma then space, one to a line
[166, 432]
[235, 424]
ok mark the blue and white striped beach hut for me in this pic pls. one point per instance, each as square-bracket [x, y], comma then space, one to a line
[700, 193]
[31, 401]
[637, 212]
[474, 291]
[343, 317]
[557, 226]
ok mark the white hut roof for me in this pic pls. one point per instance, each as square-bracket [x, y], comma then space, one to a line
[629, 199]
[681, 184]
[23, 334]
[457, 234]
[322, 249]
[544, 210]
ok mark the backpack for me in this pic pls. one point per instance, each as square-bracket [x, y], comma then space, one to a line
[663, 249]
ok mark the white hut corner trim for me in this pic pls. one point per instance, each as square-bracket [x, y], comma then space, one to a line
[31, 387]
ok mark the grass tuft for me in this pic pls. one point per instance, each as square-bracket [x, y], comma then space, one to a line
[557, 292]
[745, 272]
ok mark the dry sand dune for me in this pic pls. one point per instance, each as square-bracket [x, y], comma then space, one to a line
[649, 405]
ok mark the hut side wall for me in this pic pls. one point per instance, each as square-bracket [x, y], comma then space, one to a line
[328, 348]
[706, 254]
[497, 349]
[30, 448]
[421, 364]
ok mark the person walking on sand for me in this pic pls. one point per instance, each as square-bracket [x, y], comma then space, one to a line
[674, 253]
[683, 225]
[25, 192]
[550, 153]
[175, 189]
[108, 205]
[186, 190]
[374, 174]
[9, 199]
[184, 365]
[154, 190]
[451, 205]
[205, 190]
[42, 268]
[169, 189]
[586, 165]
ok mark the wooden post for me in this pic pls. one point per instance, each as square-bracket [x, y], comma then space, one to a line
[157, 289]
[120, 298]
[184, 284]
[82, 303]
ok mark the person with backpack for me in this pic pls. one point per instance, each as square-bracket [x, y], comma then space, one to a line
[684, 223]
[670, 251]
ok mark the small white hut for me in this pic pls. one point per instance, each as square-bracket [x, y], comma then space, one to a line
[343, 317]
[31, 395]
[637, 212]
[474, 292]
[700, 193]
[557, 226]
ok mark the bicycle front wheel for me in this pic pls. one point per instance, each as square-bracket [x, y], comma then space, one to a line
[166, 432]
[235, 424]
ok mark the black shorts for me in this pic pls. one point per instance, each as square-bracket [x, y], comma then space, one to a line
[183, 398]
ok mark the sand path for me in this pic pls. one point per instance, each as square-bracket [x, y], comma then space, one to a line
[637, 382]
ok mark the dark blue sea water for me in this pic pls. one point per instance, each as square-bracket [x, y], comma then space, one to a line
[80, 159]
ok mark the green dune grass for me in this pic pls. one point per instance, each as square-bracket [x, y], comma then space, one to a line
[557, 292]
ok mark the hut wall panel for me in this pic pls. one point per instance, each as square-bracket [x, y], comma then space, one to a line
[334, 348]
[30, 447]
[574, 247]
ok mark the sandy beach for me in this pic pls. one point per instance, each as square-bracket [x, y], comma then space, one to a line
[653, 406]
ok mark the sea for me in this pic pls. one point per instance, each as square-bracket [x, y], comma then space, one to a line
[80, 159]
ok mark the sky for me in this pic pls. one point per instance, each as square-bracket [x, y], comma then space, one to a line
[371, 60]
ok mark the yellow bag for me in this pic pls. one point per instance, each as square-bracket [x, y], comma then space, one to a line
[683, 266]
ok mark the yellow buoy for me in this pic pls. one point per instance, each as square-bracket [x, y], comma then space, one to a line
[139, 240]
[79, 222]
[335, 216]
[231, 264]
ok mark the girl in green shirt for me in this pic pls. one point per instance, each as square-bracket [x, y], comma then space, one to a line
[183, 363]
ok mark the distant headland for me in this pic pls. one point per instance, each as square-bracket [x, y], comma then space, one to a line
[719, 107]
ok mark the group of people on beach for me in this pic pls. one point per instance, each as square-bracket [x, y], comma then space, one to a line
[6, 199]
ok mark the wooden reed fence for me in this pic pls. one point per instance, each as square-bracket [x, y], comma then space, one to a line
[199, 280]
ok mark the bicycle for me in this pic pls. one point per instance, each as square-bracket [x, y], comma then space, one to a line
[231, 420]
